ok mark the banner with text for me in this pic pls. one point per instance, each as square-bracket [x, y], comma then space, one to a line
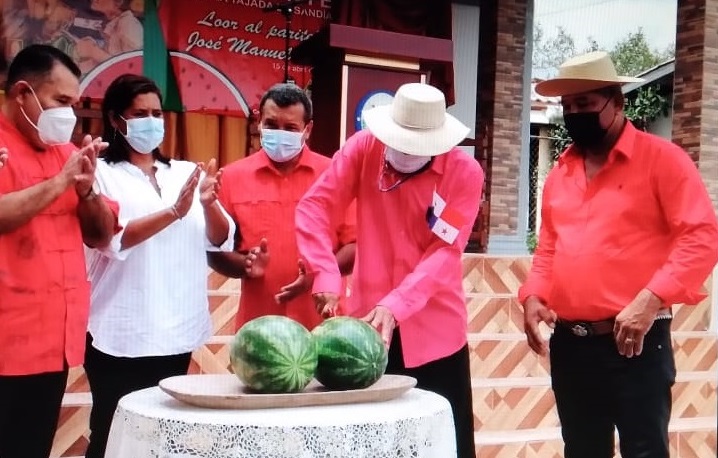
[227, 53]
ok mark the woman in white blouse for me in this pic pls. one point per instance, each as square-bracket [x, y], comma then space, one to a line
[149, 307]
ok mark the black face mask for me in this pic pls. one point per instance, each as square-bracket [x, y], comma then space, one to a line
[585, 128]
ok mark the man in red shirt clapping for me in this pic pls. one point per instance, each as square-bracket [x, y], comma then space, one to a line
[48, 207]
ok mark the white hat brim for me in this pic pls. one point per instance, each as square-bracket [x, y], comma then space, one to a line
[568, 86]
[417, 142]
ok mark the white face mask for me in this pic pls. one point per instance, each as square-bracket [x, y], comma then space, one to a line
[145, 134]
[405, 163]
[282, 145]
[54, 125]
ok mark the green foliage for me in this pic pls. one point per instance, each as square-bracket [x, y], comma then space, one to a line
[647, 106]
[531, 241]
[633, 55]
[549, 54]
[560, 141]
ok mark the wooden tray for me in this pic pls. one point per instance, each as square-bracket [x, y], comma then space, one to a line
[226, 391]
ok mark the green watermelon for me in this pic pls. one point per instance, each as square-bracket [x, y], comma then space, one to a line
[274, 354]
[351, 354]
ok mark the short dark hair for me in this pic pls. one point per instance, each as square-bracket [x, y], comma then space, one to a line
[119, 97]
[37, 61]
[285, 95]
[611, 92]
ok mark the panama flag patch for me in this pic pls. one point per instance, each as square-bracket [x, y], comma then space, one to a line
[444, 221]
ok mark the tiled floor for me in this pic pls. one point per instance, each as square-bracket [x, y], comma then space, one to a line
[513, 405]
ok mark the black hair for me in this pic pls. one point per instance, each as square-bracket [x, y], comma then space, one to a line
[285, 95]
[613, 91]
[119, 97]
[36, 62]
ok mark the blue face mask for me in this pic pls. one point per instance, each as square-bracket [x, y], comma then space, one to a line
[145, 134]
[282, 145]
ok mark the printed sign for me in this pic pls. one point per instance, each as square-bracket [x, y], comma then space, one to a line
[227, 53]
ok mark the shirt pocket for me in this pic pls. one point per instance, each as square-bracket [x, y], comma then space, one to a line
[259, 214]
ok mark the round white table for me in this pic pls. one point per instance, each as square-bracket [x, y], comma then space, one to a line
[149, 423]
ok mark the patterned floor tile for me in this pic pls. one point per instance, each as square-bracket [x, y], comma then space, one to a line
[697, 444]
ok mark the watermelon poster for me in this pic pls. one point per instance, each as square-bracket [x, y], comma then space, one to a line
[226, 53]
[95, 33]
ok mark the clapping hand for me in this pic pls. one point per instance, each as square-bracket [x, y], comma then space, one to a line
[302, 284]
[209, 187]
[186, 195]
[86, 160]
[257, 259]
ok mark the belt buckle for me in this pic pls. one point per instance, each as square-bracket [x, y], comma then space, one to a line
[581, 329]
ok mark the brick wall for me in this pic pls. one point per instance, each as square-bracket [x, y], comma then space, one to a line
[501, 62]
[695, 102]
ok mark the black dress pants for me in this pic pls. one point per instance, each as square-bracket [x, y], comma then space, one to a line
[29, 410]
[449, 377]
[113, 377]
[597, 389]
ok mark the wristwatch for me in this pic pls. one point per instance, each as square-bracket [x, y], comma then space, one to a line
[93, 192]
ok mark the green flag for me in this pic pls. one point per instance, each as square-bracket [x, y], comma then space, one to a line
[156, 63]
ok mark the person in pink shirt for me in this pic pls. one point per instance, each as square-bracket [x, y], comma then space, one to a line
[417, 198]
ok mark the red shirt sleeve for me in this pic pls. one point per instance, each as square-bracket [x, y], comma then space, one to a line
[692, 220]
[115, 209]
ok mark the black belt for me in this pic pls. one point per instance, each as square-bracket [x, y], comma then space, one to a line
[603, 327]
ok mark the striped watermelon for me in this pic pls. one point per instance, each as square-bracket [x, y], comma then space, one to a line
[274, 354]
[351, 354]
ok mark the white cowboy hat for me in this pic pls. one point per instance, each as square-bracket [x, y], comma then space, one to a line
[416, 122]
[584, 73]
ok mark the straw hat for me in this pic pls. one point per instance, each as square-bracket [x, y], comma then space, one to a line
[584, 73]
[416, 122]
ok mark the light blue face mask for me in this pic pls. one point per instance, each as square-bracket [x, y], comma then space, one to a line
[282, 145]
[145, 134]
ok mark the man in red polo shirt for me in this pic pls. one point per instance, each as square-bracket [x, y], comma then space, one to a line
[48, 208]
[261, 193]
[628, 229]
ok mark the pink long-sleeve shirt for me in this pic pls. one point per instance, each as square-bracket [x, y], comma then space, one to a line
[400, 263]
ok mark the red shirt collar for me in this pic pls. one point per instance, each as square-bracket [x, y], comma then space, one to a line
[623, 146]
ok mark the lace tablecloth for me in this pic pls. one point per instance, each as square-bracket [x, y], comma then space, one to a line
[149, 423]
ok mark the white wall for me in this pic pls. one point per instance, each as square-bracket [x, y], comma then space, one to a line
[663, 126]
[466, 56]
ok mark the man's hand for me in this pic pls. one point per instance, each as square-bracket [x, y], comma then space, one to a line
[302, 284]
[71, 171]
[383, 321]
[634, 321]
[256, 261]
[3, 157]
[536, 312]
[91, 148]
[326, 304]
[209, 187]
